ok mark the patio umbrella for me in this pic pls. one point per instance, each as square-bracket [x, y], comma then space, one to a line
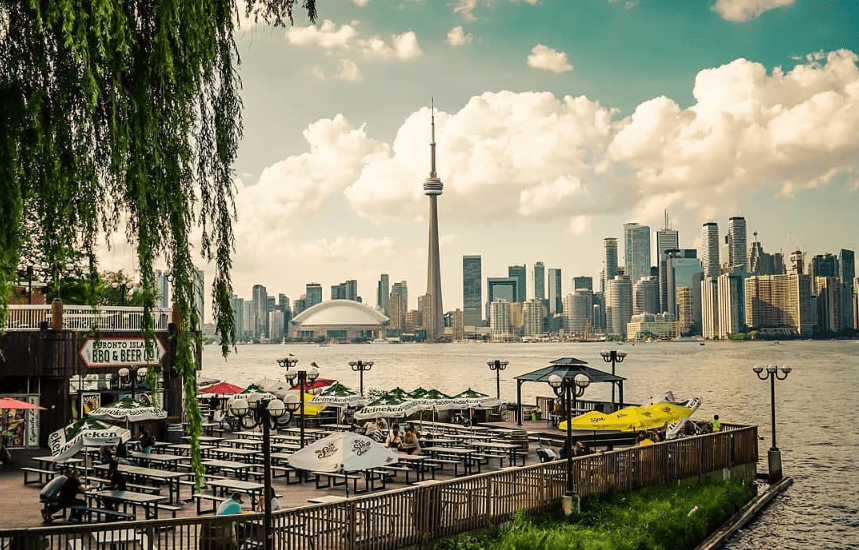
[223, 388]
[631, 418]
[338, 395]
[478, 400]
[434, 400]
[87, 432]
[399, 393]
[317, 384]
[343, 452]
[254, 393]
[388, 406]
[7, 404]
[128, 410]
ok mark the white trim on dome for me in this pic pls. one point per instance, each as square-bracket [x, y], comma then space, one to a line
[307, 315]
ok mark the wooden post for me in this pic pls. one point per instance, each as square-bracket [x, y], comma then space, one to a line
[57, 314]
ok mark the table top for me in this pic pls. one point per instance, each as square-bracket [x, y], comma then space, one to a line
[186, 446]
[237, 484]
[449, 450]
[205, 439]
[130, 496]
[495, 445]
[326, 499]
[411, 458]
[53, 460]
[141, 471]
[234, 452]
[156, 457]
[226, 464]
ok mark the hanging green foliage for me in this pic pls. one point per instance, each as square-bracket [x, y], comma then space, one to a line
[125, 115]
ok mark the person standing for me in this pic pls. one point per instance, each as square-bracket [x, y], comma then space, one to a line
[715, 424]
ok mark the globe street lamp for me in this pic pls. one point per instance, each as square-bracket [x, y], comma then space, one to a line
[132, 378]
[300, 378]
[266, 412]
[772, 374]
[497, 366]
[123, 288]
[569, 388]
[359, 367]
[613, 357]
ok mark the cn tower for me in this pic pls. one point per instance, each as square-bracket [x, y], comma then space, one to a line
[433, 188]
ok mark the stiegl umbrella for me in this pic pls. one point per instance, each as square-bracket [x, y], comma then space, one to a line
[343, 452]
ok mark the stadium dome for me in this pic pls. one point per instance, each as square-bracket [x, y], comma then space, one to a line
[340, 320]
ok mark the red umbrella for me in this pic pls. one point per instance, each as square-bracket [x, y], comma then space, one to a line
[223, 387]
[9, 403]
[318, 383]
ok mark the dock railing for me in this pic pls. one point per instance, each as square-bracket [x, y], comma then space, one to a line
[421, 513]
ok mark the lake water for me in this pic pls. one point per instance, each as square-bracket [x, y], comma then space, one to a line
[815, 406]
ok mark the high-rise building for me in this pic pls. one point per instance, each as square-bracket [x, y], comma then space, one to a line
[710, 307]
[458, 324]
[823, 265]
[736, 241]
[830, 302]
[847, 272]
[636, 250]
[666, 239]
[427, 309]
[681, 269]
[761, 263]
[275, 323]
[499, 320]
[732, 304]
[578, 312]
[609, 261]
[402, 289]
[710, 249]
[645, 296]
[797, 262]
[518, 272]
[312, 295]
[532, 317]
[686, 306]
[260, 312]
[504, 288]
[300, 305]
[472, 291]
[539, 281]
[433, 188]
[238, 305]
[778, 303]
[620, 304]
[398, 312]
[583, 283]
[383, 294]
[555, 305]
[270, 305]
[248, 320]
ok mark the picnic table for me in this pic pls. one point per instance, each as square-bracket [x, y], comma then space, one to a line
[51, 463]
[143, 475]
[164, 461]
[466, 455]
[131, 499]
[509, 448]
[205, 439]
[227, 453]
[185, 448]
[239, 469]
[117, 538]
[222, 486]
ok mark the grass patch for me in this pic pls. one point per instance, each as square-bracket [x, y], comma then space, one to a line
[650, 519]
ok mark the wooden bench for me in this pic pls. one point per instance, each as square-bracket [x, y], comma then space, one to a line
[486, 457]
[170, 508]
[44, 475]
[200, 497]
[441, 462]
[392, 471]
[332, 478]
[89, 511]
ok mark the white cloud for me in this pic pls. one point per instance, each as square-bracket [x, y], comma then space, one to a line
[318, 73]
[349, 71]
[466, 7]
[549, 59]
[743, 10]
[360, 3]
[580, 225]
[458, 37]
[345, 38]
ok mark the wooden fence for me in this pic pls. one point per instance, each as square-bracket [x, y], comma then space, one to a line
[421, 513]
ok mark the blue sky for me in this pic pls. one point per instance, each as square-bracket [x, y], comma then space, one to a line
[558, 121]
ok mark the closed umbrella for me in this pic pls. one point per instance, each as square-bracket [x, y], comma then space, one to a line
[343, 452]
[128, 410]
[86, 432]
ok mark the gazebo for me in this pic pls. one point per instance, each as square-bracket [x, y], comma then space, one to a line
[564, 367]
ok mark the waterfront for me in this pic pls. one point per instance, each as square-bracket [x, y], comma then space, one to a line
[814, 405]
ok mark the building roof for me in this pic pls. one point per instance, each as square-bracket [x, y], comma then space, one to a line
[568, 366]
[340, 312]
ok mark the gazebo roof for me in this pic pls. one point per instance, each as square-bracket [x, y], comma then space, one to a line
[568, 366]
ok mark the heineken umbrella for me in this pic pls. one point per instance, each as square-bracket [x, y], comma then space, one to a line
[477, 400]
[128, 410]
[278, 388]
[253, 393]
[434, 400]
[343, 452]
[87, 432]
[399, 393]
[338, 395]
[418, 392]
[388, 406]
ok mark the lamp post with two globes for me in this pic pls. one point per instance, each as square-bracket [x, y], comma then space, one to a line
[361, 367]
[497, 366]
[569, 388]
[132, 377]
[299, 378]
[772, 373]
[266, 412]
[613, 357]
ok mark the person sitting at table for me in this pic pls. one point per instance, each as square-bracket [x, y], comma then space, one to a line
[115, 482]
[146, 441]
[121, 453]
[231, 506]
[393, 440]
[105, 454]
[214, 404]
[272, 496]
[410, 443]
[69, 494]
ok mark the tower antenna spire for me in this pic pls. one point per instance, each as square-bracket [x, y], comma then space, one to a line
[432, 142]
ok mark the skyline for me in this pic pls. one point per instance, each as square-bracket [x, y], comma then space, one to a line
[556, 125]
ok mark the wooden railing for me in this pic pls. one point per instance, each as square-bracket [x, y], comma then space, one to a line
[421, 514]
[83, 318]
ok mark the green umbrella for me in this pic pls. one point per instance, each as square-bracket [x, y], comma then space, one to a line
[339, 395]
[388, 405]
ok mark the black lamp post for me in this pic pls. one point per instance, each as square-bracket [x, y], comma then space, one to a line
[613, 357]
[30, 284]
[266, 412]
[132, 378]
[360, 367]
[772, 374]
[569, 388]
[123, 288]
[497, 366]
[300, 378]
